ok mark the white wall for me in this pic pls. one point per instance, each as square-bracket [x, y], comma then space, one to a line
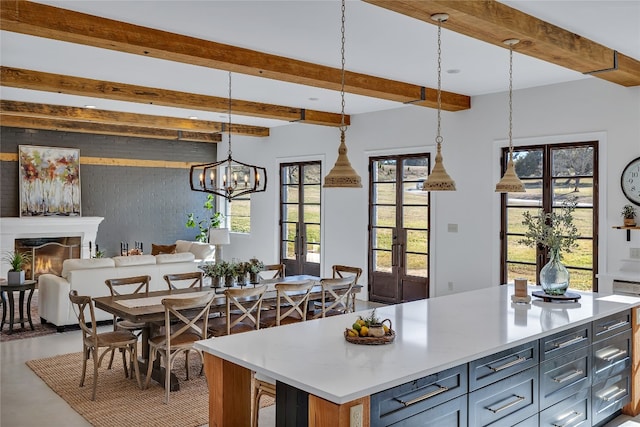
[589, 108]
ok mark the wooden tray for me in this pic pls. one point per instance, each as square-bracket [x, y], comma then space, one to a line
[385, 339]
[568, 296]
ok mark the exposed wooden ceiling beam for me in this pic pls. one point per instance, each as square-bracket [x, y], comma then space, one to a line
[105, 129]
[49, 82]
[494, 22]
[54, 23]
[28, 109]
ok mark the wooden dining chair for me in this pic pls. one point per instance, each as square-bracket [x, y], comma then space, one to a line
[335, 297]
[273, 271]
[346, 271]
[182, 328]
[110, 341]
[292, 299]
[127, 286]
[242, 313]
[184, 280]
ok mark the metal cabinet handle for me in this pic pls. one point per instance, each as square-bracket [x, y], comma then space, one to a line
[576, 415]
[567, 377]
[615, 395]
[508, 405]
[615, 325]
[441, 389]
[508, 365]
[569, 342]
[609, 357]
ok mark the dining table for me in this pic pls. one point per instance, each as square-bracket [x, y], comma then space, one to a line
[147, 309]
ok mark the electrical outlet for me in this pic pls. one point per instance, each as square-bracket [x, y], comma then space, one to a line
[634, 253]
[450, 284]
[452, 228]
[355, 416]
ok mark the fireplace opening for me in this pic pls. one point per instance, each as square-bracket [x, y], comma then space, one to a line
[47, 254]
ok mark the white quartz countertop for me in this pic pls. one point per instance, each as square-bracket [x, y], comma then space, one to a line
[431, 335]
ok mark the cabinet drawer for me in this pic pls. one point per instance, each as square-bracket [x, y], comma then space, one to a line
[609, 396]
[611, 356]
[500, 365]
[506, 402]
[564, 342]
[529, 422]
[406, 400]
[563, 376]
[611, 325]
[449, 414]
[571, 412]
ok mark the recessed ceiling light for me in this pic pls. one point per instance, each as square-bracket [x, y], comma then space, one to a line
[193, 117]
[313, 98]
[453, 71]
[89, 106]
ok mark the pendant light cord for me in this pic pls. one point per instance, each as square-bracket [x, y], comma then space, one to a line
[343, 128]
[438, 136]
[511, 100]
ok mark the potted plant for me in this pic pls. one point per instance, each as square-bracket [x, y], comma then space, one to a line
[253, 267]
[213, 221]
[228, 270]
[629, 215]
[215, 271]
[557, 232]
[17, 260]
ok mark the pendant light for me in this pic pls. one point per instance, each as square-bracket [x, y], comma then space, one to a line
[342, 175]
[439, 179]
[510, 183]
[238, 179]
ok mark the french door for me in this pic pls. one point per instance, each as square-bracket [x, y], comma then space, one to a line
[300, 185]
[398, 228]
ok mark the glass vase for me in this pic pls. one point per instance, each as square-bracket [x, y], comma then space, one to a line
[554, 277]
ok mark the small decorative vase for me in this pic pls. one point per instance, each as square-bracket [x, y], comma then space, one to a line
[15, 277]
[216, 281]
[253, 278]
[554, 277]
[229, 281]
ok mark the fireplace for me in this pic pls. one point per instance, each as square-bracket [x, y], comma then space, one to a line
[64, 234]
[47, 254]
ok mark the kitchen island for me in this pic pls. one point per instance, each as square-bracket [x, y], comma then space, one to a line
[323, 376]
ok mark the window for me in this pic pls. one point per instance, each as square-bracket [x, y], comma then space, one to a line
[552, 174]
[239, 214]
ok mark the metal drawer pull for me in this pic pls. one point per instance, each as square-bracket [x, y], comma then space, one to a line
[508, 405]
[571, 341]
[615, 325]
[440, 389]
[576, 416]
[610, 357]
[615, 395]
[567, 377]
[508, 365]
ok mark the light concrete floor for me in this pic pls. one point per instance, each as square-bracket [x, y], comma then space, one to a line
[26, 401]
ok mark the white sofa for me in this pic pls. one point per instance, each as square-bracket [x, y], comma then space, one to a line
[87, 276]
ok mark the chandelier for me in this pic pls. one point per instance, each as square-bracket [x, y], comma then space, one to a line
[342, 175]
[439, 179]
[510, 183]
[228, 178]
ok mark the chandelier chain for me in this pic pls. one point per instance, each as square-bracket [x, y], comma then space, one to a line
[438, 136]
[229, 128]
[343, 128]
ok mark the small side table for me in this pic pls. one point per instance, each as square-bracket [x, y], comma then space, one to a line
[28, 285]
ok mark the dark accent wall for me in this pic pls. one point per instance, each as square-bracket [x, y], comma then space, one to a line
[145, 204]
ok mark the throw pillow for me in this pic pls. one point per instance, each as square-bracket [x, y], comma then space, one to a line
[162, 249]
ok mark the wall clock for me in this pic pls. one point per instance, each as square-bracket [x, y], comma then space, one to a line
[630, 181]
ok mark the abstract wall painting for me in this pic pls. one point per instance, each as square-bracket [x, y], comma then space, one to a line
[49, 181]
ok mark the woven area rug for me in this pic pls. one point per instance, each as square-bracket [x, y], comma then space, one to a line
[119, 401]
[20, 333]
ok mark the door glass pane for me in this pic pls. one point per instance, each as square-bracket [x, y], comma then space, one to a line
[312, 174]
[416, 241]
[313, 253]
[384, 216]
[581, 256]
[416, 265]
[384, 194]
[384, 170]
[313, 233]
[290, 213]
[580, 279]
[528, 163]
[382, 238]
[412, 195]
[311, 194]
[382, 261]
[289, 230]
[312, 213]
[572, 161]
[290, 250]
[521, 271]
[290, 193]
[518, 252]
[290, 175]
[415, 217]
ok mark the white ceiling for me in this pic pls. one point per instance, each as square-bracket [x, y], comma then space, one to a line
[378, 42]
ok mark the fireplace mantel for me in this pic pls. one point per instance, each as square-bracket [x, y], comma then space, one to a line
[11, 228]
